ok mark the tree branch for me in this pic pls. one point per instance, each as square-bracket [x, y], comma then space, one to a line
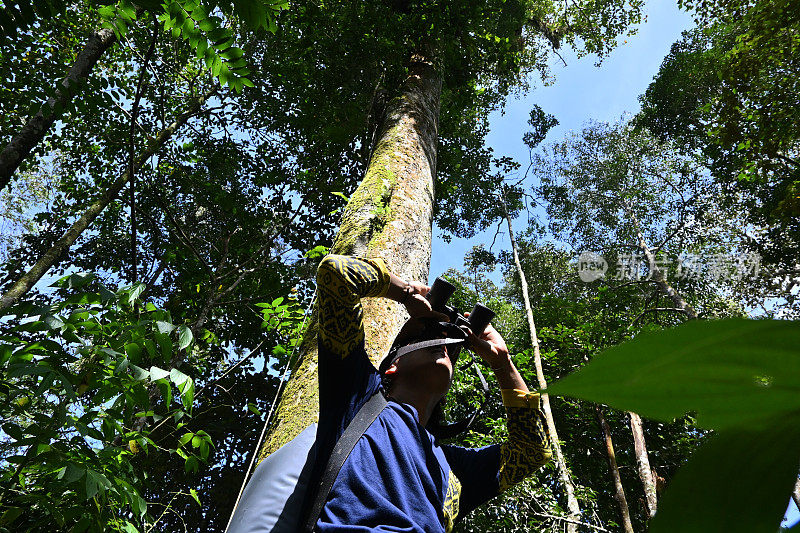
[657, 309]
[36, 128]
[131, 145]
[49, 258]
[568, 520]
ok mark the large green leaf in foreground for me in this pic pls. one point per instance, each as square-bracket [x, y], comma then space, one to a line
[742, 379]
[732, 373]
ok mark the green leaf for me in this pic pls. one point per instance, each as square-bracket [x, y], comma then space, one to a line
[136, 290]
[733, 373]
[738, 481]
[216, 66]
[121, 366]
[252, 407]
[127, 527]
[232, 53]
[150, 346]
[107, 12]
[164, 327]
[13, 430]
[199, 13]
[12, 513]
[177, 377]
[158, 373]
[128, 10]
[185, 337]
[133, 351]
[195, 496]
[206, 25]
[192, 464]
[79, 279]
[93, 484]
[187, 393]
[138, 373]
[202, 46]
[73, 473]
[166, 391]
[53, 322]
[138, 504]
[186, 437]
[165, 343]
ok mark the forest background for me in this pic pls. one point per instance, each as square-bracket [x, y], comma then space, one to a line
[164, 207]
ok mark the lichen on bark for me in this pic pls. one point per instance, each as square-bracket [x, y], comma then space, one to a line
[389, 216]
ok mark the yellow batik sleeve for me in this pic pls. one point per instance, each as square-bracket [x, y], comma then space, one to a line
[341, 283]
[527, 447]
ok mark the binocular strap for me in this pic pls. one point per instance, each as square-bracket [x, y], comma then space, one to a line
[426, 344]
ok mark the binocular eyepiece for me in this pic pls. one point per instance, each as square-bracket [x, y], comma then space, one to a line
[440, 293]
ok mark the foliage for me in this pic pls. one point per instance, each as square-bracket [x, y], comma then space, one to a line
[94, 408]
[79, 378]
[726, 92]
[32, 190]
[611, 189]
[197, 23]
[736, 376]
[231, 406]
[575, 321]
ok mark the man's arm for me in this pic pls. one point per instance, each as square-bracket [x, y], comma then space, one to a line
[341, 283]
[528, 446]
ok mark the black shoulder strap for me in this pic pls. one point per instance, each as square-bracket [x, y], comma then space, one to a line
[363, 419]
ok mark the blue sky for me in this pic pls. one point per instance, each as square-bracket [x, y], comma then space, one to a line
[581, 92]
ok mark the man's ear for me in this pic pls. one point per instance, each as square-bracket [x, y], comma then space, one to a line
[392, 370]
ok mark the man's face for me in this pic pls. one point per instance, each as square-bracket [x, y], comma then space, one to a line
[427, 367]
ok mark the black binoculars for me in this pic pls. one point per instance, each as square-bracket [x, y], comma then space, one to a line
[440, 293]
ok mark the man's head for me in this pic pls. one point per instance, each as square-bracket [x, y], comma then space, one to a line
[423, 356]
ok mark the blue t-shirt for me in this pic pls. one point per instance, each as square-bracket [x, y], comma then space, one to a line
[396, 478]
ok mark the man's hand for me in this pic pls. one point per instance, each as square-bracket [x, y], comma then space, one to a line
[418, 306]
[490, 346]
[412, 295]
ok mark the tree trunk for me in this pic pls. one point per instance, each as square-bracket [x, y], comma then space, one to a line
[619, 491]
[389, 216]
[643, 464]
[640, 447]
[656, 274]
[49, 258]
[561, 464]
[34, 131]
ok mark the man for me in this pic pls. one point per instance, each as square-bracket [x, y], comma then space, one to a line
[398, 477]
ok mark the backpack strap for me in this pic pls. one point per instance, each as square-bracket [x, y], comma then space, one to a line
[341, 451]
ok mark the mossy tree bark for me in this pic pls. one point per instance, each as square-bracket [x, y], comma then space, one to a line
[389, 216]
